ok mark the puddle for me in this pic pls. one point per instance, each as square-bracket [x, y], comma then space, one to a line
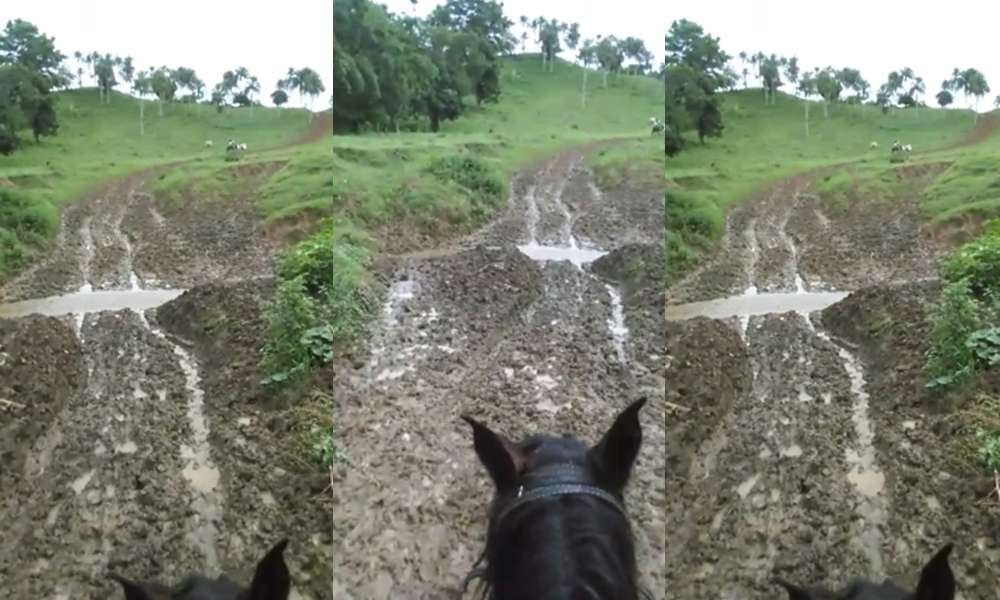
[753, 304]
[617, 323]
[865, 475]
[87, 302]
[199, 470]
[573, 253]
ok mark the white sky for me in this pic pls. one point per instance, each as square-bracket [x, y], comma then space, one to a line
[874, 36]
[209, 36]
[643, 19]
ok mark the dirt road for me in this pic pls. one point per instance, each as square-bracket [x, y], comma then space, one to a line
[140, 440]
[811, 449]
[523, 344]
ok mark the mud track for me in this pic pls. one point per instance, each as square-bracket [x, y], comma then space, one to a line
[809, 447]
[141, 442]
[526, 346]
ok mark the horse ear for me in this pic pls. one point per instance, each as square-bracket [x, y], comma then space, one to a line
[132, 589]
[502, 460]
[937, 582]
[794, 591]
[615, 454]
[272, 581]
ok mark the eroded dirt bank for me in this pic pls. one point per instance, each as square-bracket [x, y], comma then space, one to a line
[524, 345]
[809, 447]
[145, 444]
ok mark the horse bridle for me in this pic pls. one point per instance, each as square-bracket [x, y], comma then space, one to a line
[549, 481]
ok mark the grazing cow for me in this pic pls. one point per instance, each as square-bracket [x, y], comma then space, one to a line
[241, 147]
[208, 143]
[873, 145]
[656, 126]
[937, 582]
[907, 148]
[896, 146]
[231, 145]
[557, 520]
[271, 581]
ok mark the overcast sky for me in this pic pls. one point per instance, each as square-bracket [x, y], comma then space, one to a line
[643, 19]
[874, 36]
[209, 36]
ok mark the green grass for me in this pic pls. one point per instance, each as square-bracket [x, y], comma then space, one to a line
[762, 143]
[98, 142]
[382, 179]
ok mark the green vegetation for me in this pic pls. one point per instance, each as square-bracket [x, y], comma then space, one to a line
[24, 224]
[965, 342]
[765, 142]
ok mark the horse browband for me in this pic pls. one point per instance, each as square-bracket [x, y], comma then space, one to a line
[561, 479]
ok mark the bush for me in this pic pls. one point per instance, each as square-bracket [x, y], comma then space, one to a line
[978, 262]
[473, 174]
[693, 213]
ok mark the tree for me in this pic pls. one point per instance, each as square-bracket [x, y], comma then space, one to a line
[163, 86]
[22, 44]
[828, 87]
[104, 70]
[688, 44]
[807, 87]
[25, 102]
[791, 70]
[609, 57]
[588, 57]
[310, 84]
[690, 103]
[279, 97]
[634, 49]
[483, 18]
[525, 27]
[971, 82]
[771, 76]
[142, 86]
[944, 98]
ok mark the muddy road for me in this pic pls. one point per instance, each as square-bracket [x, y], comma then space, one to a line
[135, 436]
[550, 319]
[808, 446]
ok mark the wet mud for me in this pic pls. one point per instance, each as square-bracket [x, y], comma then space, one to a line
[523, 344]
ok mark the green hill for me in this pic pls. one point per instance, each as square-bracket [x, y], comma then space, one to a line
[418, 177]
[763, 142]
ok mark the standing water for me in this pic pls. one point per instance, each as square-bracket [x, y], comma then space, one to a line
[200, 471]
[865, 475]
[619, 332]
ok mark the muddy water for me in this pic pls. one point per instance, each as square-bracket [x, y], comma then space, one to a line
[199, 470]
[754, 304]
[83, 302]
[518, 331]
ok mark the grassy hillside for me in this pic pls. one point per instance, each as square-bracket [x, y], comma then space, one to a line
[379, 178]
[97, 142]
[762, 143]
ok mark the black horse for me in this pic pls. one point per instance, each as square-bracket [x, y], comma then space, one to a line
[271, 581]
[936, 583]
[557, 524]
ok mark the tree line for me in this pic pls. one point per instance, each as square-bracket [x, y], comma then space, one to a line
[31, 67]
[394, 71]
[697, 69]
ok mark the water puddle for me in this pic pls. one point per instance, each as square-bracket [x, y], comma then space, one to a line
[864, 474]
[616, 324]
[573, 253]
[199, 470]
[85, 301]
[753, 304]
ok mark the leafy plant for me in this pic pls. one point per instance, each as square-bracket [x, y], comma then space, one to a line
[988, 451]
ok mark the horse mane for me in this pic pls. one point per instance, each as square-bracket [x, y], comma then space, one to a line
[560, 548]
